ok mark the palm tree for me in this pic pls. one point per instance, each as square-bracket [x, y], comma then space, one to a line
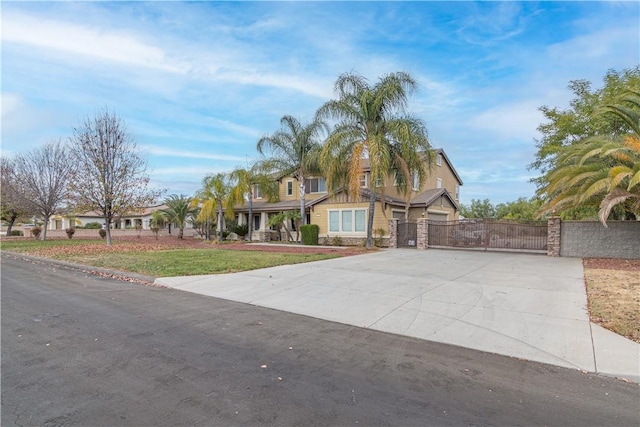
[243, 181]
[602, 171]
[179, 210]
[215, 199]
[294, 151]
[371, 124]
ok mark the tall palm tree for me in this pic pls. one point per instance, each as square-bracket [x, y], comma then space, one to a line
[243, 180]
[603, 170]
[293, 150]
[215, 199]
[372, 124]
[179, 210]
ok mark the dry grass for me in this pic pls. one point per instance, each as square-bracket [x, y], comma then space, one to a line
[613, 290]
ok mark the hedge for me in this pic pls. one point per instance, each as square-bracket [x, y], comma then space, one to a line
[310, 234]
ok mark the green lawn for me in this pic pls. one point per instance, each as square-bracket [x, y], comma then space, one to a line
[158, 263]
[185, 262]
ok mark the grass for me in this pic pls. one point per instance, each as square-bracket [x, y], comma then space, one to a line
[150, 260]
[186, 262]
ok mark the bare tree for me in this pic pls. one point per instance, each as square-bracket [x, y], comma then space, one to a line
[111, 175]
[12, 204]
[41, 177]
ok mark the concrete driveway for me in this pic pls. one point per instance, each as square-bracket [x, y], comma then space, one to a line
[526, 306]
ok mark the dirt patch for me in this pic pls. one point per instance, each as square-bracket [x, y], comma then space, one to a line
[613, 292]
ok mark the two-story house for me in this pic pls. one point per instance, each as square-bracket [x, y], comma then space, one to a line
[338, 215]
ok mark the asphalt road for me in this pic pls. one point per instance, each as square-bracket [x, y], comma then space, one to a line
[79, 349]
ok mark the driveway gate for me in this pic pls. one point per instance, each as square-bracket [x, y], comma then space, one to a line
[489, 234]
[407, 233]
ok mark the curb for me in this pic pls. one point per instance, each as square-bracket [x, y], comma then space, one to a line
[98, 271]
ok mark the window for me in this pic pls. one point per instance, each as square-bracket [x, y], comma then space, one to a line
[416, 181]
[439, 160]
[457, 192]
[289, 188]
[347, 221]
[439, 183]
[363, 180]
[257, 192]
[256, 222]
[315, 185]
[378, 182]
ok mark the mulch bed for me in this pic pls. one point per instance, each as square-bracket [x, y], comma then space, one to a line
[612, 264]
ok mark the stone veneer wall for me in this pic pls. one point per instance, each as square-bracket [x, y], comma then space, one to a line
[590, 239]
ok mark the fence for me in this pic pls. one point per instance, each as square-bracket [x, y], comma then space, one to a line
[620, 239]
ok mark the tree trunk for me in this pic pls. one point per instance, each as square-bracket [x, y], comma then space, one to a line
[181, 232]
[303, 217]
[14, 216]
[372, 207]
[43, 235]
[108, 230]
[250, 217]
[219, 222]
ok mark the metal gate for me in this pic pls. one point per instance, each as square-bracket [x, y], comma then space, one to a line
[489, 234]
[407, 233]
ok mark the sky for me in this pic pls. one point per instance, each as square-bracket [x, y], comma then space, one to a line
[198, 84]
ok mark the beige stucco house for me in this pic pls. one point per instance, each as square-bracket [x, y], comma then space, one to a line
[337, 215]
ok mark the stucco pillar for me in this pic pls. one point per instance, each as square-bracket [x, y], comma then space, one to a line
[422, 233]
[393, 233]
[553, 236]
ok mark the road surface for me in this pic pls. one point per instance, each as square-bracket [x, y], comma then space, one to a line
[79, 349]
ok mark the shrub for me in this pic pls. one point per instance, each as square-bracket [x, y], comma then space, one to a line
[310, 234]
[70, 232]
[336, 241]
[16, 233]
[102, 233]
[378, 235]
[35, 232]
[240, 230]
[93, 225]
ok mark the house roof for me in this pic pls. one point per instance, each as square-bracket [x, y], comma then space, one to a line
[424, 199]
[286, 205]
[147, 210]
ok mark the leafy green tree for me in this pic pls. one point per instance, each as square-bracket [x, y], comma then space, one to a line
[522, 208]
[156, 222]
[215, 198]
[283, 219]
[243, 181]
[478, 209]
[566, 127]
[179, 211]
[604, 170]
[293, 150]
[371, 123]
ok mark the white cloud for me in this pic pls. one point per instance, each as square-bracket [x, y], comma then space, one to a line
[106, 45]
[170, 152]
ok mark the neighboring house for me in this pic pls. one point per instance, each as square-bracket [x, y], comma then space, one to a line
[338, 215]
[140, 218]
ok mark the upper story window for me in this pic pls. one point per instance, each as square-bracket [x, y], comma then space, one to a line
[363, 180]
[457, 192]
[315, 185]
[415, 181]
[289, 188]
[256, 192]
[439, 183]
[439, 160]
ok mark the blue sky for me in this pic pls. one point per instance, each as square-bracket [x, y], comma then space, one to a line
[198, 83]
